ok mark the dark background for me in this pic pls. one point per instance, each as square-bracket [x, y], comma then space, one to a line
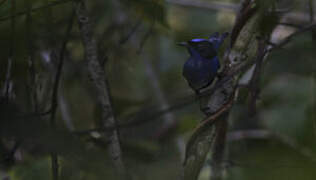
[137, 43]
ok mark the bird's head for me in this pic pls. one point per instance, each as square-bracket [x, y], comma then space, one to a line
[200, 47]
[206, 48]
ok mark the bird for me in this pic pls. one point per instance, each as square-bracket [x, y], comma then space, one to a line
[201, 68]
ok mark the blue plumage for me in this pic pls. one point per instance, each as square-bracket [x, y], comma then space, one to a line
[201, 68]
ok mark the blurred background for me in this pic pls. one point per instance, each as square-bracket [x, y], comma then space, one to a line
[137, 42]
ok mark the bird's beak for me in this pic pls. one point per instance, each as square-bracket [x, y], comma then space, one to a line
[185, 44]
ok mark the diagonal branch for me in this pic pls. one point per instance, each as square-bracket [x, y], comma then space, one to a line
[54, 103]
[288, 39]
[99, 80]
[32, 86]
[54, 3]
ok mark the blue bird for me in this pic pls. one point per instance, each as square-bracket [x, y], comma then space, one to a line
[201, 68]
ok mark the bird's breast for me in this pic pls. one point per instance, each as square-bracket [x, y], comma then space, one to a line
[200, 72]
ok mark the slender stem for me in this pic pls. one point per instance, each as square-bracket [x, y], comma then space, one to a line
[54, 103]
[32, 70]
[51, 4]
[311, 10]
[255, 79]
[291, 36]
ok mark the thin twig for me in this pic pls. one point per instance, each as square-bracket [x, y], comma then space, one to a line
[206, 5]
[209, 121]
[51, 4]
[312, 87]
[291, 36]
[54, 102]
[59, 69]
[254, 81]
[35, 114]
[290, 25]
[8, 83]
[32, 70]
[12, 33]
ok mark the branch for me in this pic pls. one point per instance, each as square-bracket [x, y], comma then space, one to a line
[245, 13]
[254, 81]
[219, 147]
[209, 5]
[99, 80]
[51, 4]
[32, 86]
[288, 39]
[54, 103]
[200, 143]
[298, 26]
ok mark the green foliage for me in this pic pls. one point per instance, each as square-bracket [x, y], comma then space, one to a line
[32, 169]
[152, 11]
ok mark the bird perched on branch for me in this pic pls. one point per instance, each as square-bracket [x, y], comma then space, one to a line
[201, 68]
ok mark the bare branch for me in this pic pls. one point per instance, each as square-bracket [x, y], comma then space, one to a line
[51, 4]
[288, 39]
[200, 142]
[290, 25]
[54, 103]
[254, 81]
[210, 5]
[99, 80]
[7, 88]
[32, 86]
